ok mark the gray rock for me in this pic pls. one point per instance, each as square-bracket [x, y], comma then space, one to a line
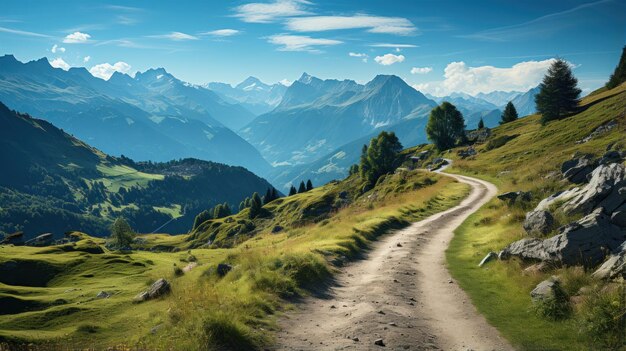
[159, 288]
[277, 229]
[561, 196]
[490, 256]
[618, 217]
[41, 240]
[379, 342]
[545, 289]
[606, 188]
[577, 170]
[611, 156]
[614, 266]
[585, 242]
[538, 222]
[513, 196]
[103, 295]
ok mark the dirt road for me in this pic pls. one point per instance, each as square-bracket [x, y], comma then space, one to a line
[401, 293]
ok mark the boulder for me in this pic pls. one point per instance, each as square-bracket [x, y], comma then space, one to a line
[16, 238]
[577, 170]
[41, 240]
[103, 295]
[538, 222]
[584, 242]
[159, 288]
[545, 290]
[618, 217]
[606, 188]
[513, 196]
[614, 266]
[561, 196]
[611, 156]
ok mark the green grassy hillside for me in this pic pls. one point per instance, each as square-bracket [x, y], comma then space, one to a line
[50, 293]
[53, 182]
[528, 159]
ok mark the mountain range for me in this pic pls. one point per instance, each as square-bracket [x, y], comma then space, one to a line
[254, 95]
[153, 116]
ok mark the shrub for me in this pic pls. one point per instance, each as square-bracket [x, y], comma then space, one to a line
[225, 332]
[556, 307]
[601, 318]
[498, 142]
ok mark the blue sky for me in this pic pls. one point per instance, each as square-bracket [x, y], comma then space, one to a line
[436, 46]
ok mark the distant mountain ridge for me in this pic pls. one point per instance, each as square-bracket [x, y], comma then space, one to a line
[153, 116]
[316, 116]
[251, 93]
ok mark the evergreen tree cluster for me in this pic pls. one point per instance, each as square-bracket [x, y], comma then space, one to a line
[446, 126]
[302, 188]
[509, 114]
[481, 123]
[218, 211]
[122, 234]
[270, 195]
[380, 157]
[619, 75]
[559, 92]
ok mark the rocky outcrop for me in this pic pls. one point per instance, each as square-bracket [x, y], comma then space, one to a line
[614, 267]
[538, 222]
[606, 188]
[585, 242]
[159, 288]
[577, 170]
[223, 269]
[41, 240]
[618, 217]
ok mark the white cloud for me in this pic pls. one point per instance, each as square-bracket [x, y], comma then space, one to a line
[458, 77]
[76, 38]
[22, 32]
[106, 70]
[300, 42]
[389, 59]
[286, 82]
[421, 70]
[373, 24]
[361, 55]
[59, 63]
[390, 45]
[86, 59]
[222, 32]
[176, 36]
[56, 48]
[269, 12]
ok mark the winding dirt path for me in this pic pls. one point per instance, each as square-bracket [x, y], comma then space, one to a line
[401, 293]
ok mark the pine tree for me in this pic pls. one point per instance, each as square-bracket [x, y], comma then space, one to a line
[268, 196]
[354, 169]
[446, 126]
[619, 75]
[242, 205]
[122, 234]
[481, 123]
[274, 194]
[309, 185]
[301, 188]
[292, 190]
[509, 114]
[255, 205]
[363, 164]
[380, 157]
[558, 93]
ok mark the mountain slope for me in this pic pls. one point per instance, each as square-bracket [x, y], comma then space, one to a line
[142, 119]
[53, 182]
[317, 116]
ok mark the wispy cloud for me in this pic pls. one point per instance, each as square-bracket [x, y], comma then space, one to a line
[86, 59]
[56, 48]
[373, 24]
[24, 33]
[76, 38]
[300, 42]
[124, 8]
[222, 32]
[389, 59]
[270, 12]
[362, 56]
[546, 24]
[390, 45]
[421, 70]
[176, 36]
